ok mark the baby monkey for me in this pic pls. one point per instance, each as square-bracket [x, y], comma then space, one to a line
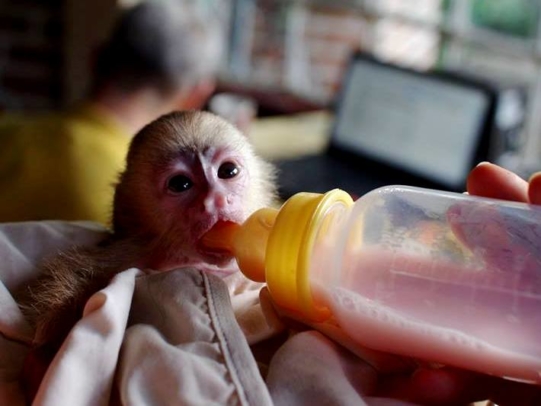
[184, 172]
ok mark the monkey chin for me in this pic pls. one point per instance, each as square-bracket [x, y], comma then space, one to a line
[221, 267]
[217, 258]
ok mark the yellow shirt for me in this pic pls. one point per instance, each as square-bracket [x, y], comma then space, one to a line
[60, 166]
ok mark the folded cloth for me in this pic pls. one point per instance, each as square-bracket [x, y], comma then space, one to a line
[186, 348]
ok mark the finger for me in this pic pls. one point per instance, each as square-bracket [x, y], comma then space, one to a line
[443, 386]
[493, 181]
[508, 393]
[506, 238]
[534, 190]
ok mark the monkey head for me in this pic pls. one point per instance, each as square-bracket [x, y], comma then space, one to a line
[186, 171]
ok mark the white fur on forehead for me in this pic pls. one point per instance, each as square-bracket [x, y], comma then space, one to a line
[194, 131]
[208, 129]
[214, 130]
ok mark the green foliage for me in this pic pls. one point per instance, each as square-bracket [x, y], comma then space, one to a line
[513, 17]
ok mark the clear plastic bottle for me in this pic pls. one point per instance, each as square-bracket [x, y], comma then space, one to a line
[443, 277]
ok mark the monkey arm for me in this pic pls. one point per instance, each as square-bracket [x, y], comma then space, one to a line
[55, 300]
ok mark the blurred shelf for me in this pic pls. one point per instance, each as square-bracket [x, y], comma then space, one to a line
[272, 100]
[291, 136]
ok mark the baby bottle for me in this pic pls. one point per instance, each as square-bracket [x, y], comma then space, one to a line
[438, 276]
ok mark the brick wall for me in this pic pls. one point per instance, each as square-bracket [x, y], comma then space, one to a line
[332, 35]
[30, 54]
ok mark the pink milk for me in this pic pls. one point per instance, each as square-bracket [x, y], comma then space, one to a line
[412, 306]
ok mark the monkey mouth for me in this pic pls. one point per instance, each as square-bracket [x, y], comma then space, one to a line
[215, 256]
[215, 243]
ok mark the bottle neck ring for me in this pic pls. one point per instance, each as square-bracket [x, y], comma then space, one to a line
[290, 248]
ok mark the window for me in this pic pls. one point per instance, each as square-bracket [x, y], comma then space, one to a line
[302, 46]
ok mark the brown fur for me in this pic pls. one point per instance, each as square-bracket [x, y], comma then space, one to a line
[151, 229]
[54, 301]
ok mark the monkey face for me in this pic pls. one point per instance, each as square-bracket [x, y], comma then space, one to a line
[185, 172]
[198, 189]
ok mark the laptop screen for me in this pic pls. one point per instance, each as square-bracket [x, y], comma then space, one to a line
[426, 125]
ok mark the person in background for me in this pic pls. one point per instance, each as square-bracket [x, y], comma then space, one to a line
[161, 56]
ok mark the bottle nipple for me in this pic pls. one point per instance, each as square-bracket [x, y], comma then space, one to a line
[247, 241]
[221, 236]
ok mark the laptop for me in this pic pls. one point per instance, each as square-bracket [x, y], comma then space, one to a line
[394, 125]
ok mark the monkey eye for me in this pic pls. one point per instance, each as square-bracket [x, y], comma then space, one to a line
[179, 183]
[228, 170]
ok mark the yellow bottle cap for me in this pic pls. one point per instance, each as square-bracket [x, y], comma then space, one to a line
[251, 243]
[289, 250]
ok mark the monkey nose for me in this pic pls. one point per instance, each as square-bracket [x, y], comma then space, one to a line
[215, 201]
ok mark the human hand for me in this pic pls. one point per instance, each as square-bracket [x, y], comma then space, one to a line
[505, 236]
[493, 181]
[489, 180]
[442, 386]
[456, 386]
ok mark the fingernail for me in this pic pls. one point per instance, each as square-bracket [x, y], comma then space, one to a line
[534, 175]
